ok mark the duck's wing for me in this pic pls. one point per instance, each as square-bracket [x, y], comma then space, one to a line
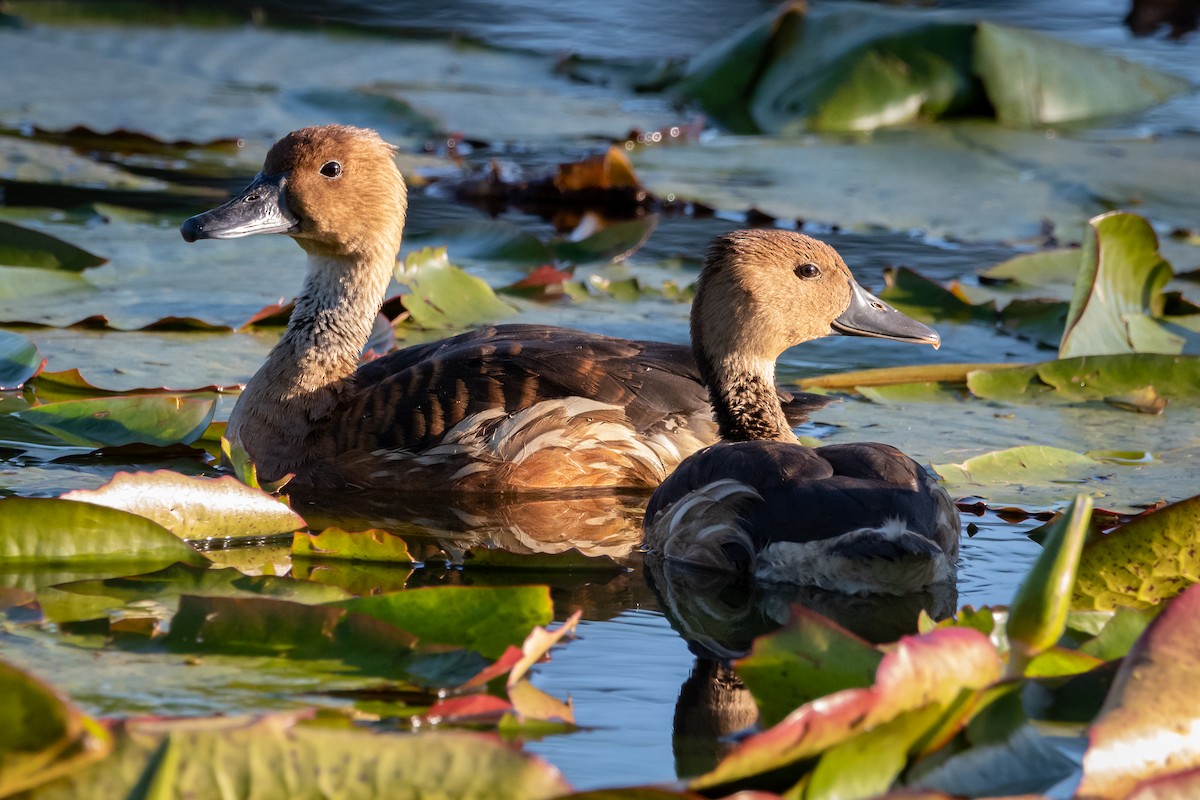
[410, 398]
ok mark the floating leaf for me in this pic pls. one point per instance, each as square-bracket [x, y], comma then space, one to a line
[1144, 729]
[1122, 273]
[157, 420]
[490, 240]
[1033, 79]
[1018, 466]
[889, 376]
[1038, 615]
[613, 242]
[22, 247]
[443, 296]
[809, 658]
[927, 670]
[70, 384]
[20, 360]
[1045, 268]
[335, 543]
[205, 757]
[484, 619]
[181, 579]
[53, 531]
[194, 507]
[918, 296]
[1144, 562]
[1113, 378]
[42, 737]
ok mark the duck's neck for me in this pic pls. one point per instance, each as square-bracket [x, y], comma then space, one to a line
[303, 376]
[744, 398]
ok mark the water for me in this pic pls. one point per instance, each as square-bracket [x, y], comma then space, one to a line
[632, 661]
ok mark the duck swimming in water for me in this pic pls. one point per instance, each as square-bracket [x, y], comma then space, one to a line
[504, 408]
[855, 518]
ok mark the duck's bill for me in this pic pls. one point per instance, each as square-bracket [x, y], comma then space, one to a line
[261, 208]
[870, 316]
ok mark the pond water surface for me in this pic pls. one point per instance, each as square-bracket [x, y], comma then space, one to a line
[626, 670]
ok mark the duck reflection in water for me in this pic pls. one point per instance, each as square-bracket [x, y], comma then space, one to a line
[720, 614]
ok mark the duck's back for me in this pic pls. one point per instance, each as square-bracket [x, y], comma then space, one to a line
[521, 407]
[828, 516]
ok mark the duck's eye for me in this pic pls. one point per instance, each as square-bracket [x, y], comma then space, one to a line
[331, 169]
[808, 271]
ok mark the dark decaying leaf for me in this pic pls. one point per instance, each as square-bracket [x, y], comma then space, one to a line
[1147, 726]
[194, 507]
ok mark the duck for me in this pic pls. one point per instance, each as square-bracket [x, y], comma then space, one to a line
[504, 408]
[856, 518]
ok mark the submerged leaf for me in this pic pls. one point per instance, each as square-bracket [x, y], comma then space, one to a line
[157, 420]
[1144, 562]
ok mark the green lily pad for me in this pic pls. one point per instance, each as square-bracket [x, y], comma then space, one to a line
[484, 619]
[1038, 615]
[443, 296]
[614, 242]
[489, 240]
[334, 543]
[194, 507]
[42, 736]
[205, 757]
[1153, 699]
[53, 531]
[158, 420]
[1018, 466]
[22, 247]
[1120, 633]
[809, 658]
[1092, 378]
[920, 297]
[20, 360]
[1142, 563]
[1033, 79]
[1122, 274]
[1044, 268]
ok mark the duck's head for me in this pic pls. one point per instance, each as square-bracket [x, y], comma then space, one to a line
[763, 291]
[335, 189]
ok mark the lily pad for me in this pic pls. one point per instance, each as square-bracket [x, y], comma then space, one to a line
[1110, 378]
[1027, 465]
[335, 543]
[51, 531]
[194, 507]
[443, 296]
[484, 619]
[20, 360]
[157, 420]
[1142, 563]
[22, 247]
[183, 579]
[1152, 700]
[204, 757]
[42, 736]
[1046, 268]
[1034, 79]
[1122, 274]
[809, 658]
